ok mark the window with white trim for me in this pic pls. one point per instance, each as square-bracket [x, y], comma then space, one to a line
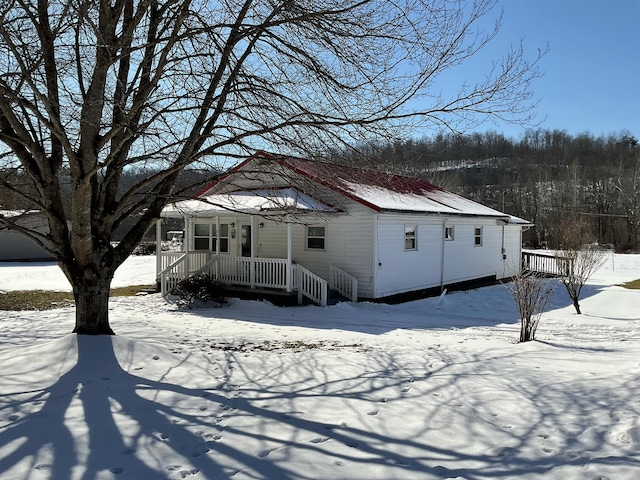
[205, 237]
[477, 236]
[410, 237]
[316, 237]
[448, 233]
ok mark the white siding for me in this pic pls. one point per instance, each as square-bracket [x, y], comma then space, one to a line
[513, 250]
[400, 271]
[372, 248]
[348, 243]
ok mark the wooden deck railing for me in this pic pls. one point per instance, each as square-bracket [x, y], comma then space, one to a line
[310, 285]
[343, 282]
[252, 272]
[545, 264]
[244, 271]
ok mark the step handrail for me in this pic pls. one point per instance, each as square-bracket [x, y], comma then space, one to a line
[343, 282]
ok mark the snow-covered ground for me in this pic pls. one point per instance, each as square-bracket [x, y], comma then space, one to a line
[431, 389]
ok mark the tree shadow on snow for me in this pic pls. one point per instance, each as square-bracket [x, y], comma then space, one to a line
[482, 307]
[133, 427]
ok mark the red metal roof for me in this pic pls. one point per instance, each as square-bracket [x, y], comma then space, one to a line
[376, 190]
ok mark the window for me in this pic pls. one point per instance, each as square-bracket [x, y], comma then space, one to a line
[202, 236]
[315, 238]
[477, 236]
[205, 237]
[224, 238]
[410, 241]
[448, 233]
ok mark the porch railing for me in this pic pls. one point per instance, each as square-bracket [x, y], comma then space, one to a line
[310, 285]
[545, 264]
[245, 271]
[343, 282]
[172, 274]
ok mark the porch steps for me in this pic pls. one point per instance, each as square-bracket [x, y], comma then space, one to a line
[334, 297]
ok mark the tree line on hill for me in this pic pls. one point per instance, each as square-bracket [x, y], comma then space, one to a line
[546, 177]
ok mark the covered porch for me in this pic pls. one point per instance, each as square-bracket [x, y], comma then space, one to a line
[227, 237]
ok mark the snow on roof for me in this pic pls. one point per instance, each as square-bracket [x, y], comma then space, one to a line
[377, 190]
[261, 201]
[388, 192]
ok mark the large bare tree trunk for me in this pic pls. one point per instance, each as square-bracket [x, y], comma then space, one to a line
[91, 283]
[92, 307]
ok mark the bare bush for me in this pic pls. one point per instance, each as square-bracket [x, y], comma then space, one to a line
[581, 257]
[531, 293]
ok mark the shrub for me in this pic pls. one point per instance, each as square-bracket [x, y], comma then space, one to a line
[531, 293]
[200, 288]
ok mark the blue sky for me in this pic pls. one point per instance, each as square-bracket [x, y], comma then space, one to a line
[591, 76]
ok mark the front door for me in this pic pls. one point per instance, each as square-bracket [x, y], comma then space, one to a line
[245, 240]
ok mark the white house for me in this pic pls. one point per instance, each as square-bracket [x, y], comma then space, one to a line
[304, 226]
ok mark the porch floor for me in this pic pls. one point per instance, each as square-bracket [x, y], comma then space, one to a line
[281, 298]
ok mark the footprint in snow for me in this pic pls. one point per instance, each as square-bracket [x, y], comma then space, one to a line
[320, 440]
[200, 451]
[116, 470]
[264, 453]
[373, 412]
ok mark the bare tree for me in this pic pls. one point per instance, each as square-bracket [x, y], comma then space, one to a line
[578, 256]
[92, 88]
[531, 293]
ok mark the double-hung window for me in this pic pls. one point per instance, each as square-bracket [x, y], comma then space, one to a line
[410, 237]
[477, 236]
[206, 237]
[316, 237]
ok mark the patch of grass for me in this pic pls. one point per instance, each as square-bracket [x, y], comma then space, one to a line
[633, 285]
[46, 300]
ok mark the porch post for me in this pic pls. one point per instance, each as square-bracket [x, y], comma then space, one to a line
[252, 240]
[186, 242]
[217, 252]
[158, 246]
[289, 259]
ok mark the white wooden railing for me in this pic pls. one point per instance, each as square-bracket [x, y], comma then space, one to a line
[251, 272]
[310, 285]
[172, 274]
[343, 282]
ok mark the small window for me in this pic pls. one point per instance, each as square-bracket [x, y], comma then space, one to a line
[410, 240]
[224, 238]
[316, 238]
[205, 237]
[448, 233]
[201, 236]
[477, 236]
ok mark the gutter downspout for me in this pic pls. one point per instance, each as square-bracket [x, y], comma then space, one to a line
[289, 259]
[158, 247]
[444, 224]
